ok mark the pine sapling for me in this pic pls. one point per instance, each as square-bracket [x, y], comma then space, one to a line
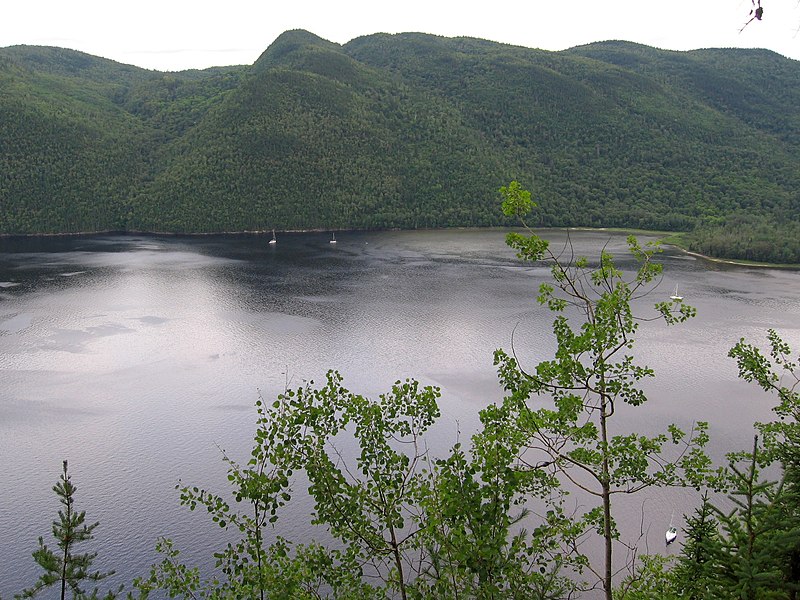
[64, 567]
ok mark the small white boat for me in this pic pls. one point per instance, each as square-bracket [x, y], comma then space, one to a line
[333, 238]
[273, 240]
[675, 297]
[671, 535]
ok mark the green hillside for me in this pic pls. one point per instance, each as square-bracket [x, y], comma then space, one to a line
[409, 131]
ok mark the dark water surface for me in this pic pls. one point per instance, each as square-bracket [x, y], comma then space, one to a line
[138, 357]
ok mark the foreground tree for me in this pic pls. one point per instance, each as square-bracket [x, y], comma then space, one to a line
[405, 524]
[744, 544]
[762, 542]
[776, 373]
[64, 568]
[758, 532]
[694, 572]
[592, 379]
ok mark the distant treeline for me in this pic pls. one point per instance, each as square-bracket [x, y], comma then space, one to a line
[408, 131]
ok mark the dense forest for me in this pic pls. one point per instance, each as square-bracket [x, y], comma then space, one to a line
[408, 131]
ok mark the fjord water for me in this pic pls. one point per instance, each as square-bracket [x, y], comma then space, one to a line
[139, 358]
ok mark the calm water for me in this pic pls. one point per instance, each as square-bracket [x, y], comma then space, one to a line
[138, 358]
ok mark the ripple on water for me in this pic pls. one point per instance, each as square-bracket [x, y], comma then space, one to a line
[139, 369]
[16, 323]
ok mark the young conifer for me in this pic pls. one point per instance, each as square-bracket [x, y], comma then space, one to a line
[64, 567]
[694, 573]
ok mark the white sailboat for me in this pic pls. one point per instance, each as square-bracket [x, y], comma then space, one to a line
[273, 240]
[672, 532]
[333, 237]
[671, 535]
[675, 296]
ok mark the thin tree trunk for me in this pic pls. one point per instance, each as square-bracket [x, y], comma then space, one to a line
[607, 584]
[258, 551]
[67, 537]
[606, 488]
[398, 562]
[64, 575]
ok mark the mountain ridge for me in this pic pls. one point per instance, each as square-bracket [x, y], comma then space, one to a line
[408, 130]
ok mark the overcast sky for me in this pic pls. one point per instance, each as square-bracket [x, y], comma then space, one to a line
[171, 35]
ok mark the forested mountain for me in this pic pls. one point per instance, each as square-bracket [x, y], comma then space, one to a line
[409, 131]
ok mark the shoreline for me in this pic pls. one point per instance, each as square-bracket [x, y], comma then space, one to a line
[738, 262]
[621, 230]
[666, 234]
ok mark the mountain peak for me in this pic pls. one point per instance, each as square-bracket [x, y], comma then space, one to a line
[289, 43]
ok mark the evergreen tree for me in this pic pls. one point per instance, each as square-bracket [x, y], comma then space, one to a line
[694, 574]
[788, 539]
[778, 373]
[64, 567]
[754, 535]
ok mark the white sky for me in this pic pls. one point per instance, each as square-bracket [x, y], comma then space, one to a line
[171, 35]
